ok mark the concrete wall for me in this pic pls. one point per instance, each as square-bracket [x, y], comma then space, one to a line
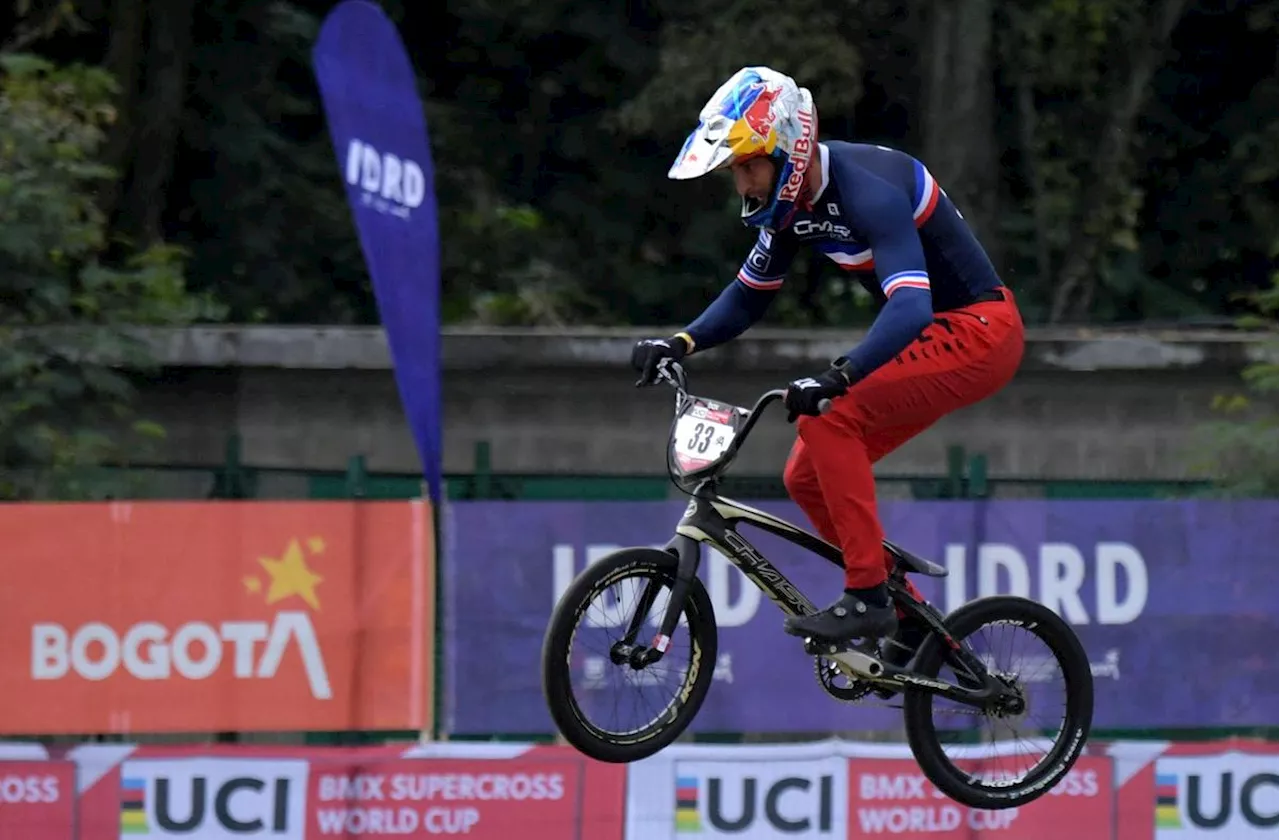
[1086, 404]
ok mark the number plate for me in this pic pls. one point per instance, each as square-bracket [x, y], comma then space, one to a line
[701, 436]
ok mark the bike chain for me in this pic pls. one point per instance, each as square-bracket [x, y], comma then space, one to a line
[826, 671]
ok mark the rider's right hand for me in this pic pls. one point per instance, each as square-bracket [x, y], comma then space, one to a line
[646, 355]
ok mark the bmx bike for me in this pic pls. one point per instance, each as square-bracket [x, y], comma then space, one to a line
[957, 662]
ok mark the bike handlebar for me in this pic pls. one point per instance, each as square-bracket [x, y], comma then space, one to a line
[672, 372]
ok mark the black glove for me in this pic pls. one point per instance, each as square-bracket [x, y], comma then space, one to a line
[646, 355]
[805, 396]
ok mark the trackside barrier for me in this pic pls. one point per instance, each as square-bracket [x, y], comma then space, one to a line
[828, 789]
[483, 792]
[37, 797]
[263, 616]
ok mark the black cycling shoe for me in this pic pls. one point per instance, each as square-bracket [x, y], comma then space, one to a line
[848, 618]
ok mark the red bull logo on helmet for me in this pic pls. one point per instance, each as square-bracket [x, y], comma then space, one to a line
[758, 114]
[801, 156]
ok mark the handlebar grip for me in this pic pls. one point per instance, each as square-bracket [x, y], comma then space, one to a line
[824, 406]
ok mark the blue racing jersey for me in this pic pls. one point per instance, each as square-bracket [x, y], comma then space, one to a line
[879, 214]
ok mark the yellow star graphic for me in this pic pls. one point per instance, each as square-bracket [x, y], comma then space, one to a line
[290, 576]
[252, 584]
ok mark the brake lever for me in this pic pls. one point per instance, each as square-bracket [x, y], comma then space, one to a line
[666, 374]
[659, 375]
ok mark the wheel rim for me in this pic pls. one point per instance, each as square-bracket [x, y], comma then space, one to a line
[615, 702]
[1017, 746]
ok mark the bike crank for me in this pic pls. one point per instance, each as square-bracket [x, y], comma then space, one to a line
[860, 660]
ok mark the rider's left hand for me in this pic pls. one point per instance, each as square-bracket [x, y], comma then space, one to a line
[804, 396]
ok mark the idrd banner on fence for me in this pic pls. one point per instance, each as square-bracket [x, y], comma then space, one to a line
[1175, 603]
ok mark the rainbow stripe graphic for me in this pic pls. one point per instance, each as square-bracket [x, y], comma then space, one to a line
[687, 818]
[1167, 815]
[133, 807]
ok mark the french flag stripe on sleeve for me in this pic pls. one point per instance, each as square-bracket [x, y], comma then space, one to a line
[926, 194]
[767, 285]
[905, 279]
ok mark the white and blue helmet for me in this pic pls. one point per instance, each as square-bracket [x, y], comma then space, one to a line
[757, 112]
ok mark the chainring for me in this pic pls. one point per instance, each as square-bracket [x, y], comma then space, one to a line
[828, 673]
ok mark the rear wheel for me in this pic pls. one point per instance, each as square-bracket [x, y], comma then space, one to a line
[603, 705]
[1007, 757]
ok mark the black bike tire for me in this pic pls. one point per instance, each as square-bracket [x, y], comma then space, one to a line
[556, 678]
[1071, 656]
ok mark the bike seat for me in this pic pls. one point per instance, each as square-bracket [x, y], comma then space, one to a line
[915, 563]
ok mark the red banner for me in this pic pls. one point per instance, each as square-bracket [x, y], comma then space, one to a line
[38, 800]
[533, 799]
[216, 616]
[891, 797]
[1129, 791]
[481, 791]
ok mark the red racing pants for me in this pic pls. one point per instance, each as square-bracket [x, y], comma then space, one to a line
[963, 357]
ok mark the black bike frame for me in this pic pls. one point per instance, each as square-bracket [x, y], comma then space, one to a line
[712, 519]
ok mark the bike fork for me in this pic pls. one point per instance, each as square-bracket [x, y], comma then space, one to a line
[641, 656]
[687, 551]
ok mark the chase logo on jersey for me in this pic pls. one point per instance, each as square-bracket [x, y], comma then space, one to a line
[826, 228]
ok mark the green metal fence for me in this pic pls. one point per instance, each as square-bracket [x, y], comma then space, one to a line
[963, 476]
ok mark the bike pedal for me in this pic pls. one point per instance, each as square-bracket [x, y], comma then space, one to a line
[823, 647]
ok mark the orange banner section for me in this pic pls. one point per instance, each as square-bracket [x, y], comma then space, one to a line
[216, 616]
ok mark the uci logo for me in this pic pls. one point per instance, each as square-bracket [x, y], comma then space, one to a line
[731, 800]
[212, 798]
[390, 184]
[1235, 799]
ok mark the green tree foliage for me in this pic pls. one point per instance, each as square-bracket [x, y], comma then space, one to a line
[1242, 448]
[1072, 132]
[61, 391]
[1086, 63]
[267, 222]
[1117, 158]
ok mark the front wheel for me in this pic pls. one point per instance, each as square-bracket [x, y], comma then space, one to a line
[1004, 758]
[589, 670]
